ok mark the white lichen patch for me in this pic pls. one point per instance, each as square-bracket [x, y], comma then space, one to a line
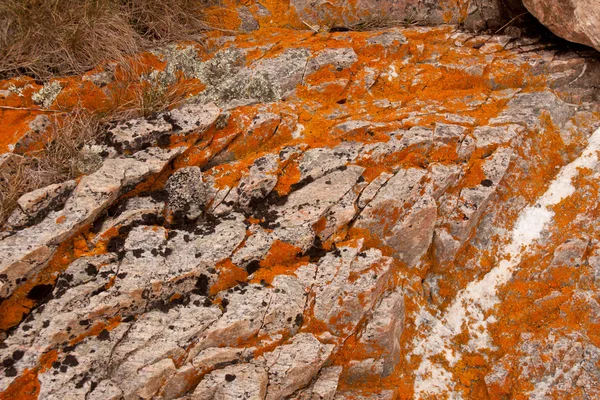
[47, 94]
[473, 303]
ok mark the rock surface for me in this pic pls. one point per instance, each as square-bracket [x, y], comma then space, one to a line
[574, 20]
[402, 213]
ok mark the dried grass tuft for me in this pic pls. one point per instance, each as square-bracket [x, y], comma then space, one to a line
[47, 38]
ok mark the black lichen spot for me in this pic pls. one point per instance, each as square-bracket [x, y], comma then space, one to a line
[229, 377]
[82, 382]
[487, 183]
[202, 285]
[39, 292]
[71, 361]
[252, 267]
[224, 303]
[137, 253]
[10, 372]
[104, 335]
[18, 354]
[115, 244]
[91, 270]
[299, 319]
[164, 140]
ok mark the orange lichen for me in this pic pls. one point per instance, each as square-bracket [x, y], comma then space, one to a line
[25, 387]
[282, 259]
[229, 275]
[97, 328]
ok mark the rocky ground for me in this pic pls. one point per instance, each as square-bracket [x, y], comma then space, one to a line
[399, 213]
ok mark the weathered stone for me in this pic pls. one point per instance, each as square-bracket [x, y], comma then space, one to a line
[28, 250]
[359, 183]
[37, 204]
[348, 285]
[236, 382]
[402, 216]
[574, 20]
[187, 195]
[136, 134]
[468, 207]
[292, 366]
[381, 337]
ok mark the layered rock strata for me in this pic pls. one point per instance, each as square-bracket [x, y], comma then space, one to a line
[402, 213]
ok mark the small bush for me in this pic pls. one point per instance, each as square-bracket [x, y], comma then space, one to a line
[46, 38]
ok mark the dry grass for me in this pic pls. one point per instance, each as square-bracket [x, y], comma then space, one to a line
[63, 157]
[153, 97]
[46, 38]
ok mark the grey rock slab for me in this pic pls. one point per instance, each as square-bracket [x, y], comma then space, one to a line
[192, 118]
[308, 204]
[148, 380]
[259, 182]
[381, 335]
[488, 136]
[106, 390]
[194, 252]
[402, 215]
[526, 108]
[136, 209]
[324, 387]
[292, 366]
[236, 382]
[255, 247]
[466, 209]
[40, 202]
[134, 134]
[77, 369]
[339, 58]
[315, 163]
[372, 188]
[347, 284]
[159, 335]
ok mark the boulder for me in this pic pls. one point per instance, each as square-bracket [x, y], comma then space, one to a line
[575, 20]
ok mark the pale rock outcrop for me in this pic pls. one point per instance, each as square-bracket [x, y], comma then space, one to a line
[37, 204]
[28, 250]
[245, 381]
[292, 366]
[340, 231]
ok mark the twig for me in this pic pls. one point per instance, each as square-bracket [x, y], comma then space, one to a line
[31, 109]
[510, 22]
[311, 27]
